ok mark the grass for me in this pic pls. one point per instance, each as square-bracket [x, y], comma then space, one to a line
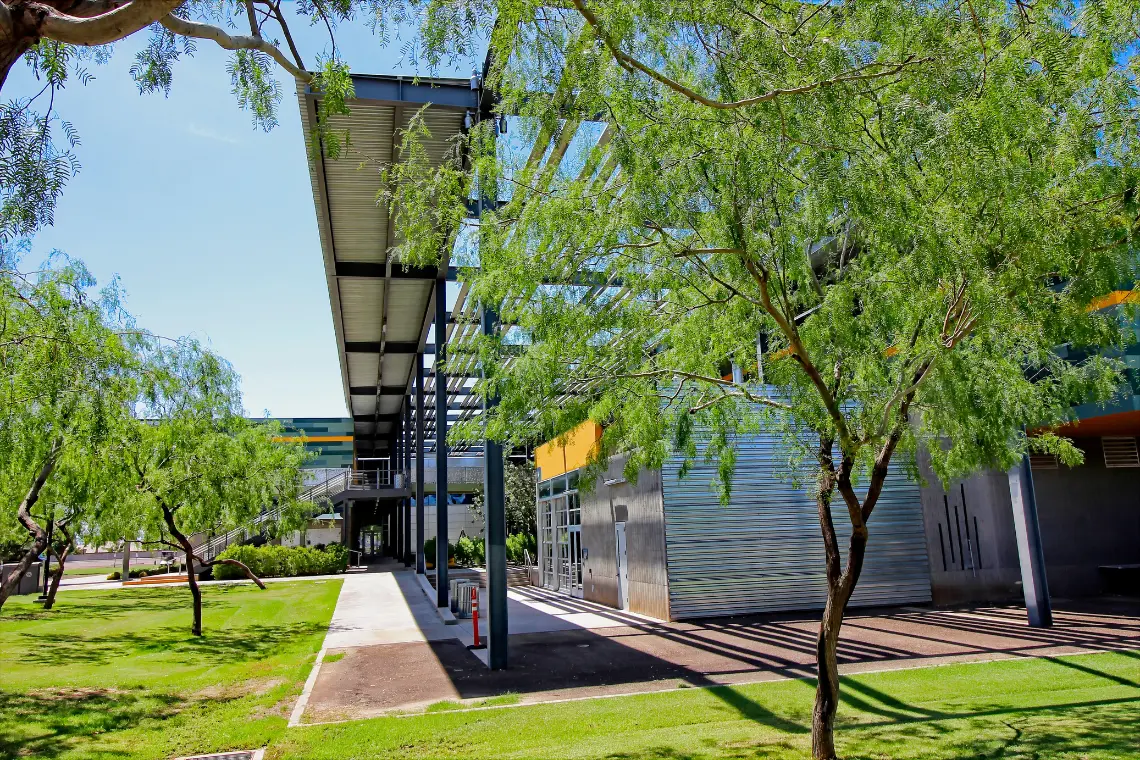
[116, 674]
[1085, 707]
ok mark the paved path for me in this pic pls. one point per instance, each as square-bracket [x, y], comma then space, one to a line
[383, 608]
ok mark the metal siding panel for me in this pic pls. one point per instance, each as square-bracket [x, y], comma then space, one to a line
[764, 551]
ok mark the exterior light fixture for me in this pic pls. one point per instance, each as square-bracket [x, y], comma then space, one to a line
[467, 120]
[503, 124]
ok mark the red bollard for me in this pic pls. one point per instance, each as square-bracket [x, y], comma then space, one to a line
[475, 614]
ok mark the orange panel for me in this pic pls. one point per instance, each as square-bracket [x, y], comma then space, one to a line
[568, 452]
[1120, 423]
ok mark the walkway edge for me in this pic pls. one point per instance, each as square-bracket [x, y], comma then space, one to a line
[310, 682]
[445, 614]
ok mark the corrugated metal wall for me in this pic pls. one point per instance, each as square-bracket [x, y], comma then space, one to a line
[764, 551]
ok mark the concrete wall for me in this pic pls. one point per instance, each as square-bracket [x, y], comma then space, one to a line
[1089, 516]
[460, 519]
[979, 567]
[639, 506]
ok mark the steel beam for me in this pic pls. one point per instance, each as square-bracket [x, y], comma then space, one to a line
[420, 567]
[1029, 551]
[441, 534]
[494, 506]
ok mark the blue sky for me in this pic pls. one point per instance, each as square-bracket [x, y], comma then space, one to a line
[208, 221]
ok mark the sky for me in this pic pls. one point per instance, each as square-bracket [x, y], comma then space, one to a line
[208, 221]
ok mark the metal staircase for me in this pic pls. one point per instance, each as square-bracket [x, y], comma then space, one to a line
[318, 493]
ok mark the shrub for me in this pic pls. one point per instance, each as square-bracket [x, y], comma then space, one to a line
[517, 543]
[268, 561]
[114, 576]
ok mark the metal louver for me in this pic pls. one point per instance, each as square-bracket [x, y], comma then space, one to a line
[1043, 461]
[1120, 451]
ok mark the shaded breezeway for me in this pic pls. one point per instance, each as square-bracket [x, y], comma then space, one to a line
[568, 648]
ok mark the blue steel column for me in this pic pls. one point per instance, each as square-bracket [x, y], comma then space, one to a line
[420, 567]
[441, 314]
[405, 466]
[496, 532]
[1029, 551]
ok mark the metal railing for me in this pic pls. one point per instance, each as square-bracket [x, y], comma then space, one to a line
[464, 475]
[324, 491]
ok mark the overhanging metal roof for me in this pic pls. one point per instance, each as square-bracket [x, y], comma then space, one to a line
[381, 312]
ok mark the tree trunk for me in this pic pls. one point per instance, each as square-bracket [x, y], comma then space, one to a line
[8, 587]
[827, 663]
[191, 578]
[57, 576]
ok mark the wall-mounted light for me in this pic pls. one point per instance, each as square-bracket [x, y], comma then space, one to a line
[503, 124]
[467, 120]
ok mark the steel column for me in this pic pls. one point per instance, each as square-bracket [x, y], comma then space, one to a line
[496, 533]
[420, 567]
[405, 466]
[441, 314]
[1029, 551]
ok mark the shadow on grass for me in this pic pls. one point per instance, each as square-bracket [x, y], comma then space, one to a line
[1102, 729]
[223, 646]
[51, 723]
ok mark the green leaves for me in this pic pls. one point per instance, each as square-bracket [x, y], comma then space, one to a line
[910, 244]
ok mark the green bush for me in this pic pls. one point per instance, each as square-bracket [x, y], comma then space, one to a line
[468, 552]
[516, 543]
[114, 576]
[269, 561]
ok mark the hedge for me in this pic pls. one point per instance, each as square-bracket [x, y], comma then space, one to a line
[282, 561]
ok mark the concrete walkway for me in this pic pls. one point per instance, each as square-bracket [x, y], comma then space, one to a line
[383, 608]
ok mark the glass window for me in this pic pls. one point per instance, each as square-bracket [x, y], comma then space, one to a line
[572, 481]
[560, 485]
[544, 489]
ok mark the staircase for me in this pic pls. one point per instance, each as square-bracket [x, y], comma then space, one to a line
[315, 494]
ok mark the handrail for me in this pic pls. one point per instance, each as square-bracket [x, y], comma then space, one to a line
[346, 480]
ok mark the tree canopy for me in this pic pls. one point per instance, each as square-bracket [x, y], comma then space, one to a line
[64, 41]
[886, 214]
[69, 372]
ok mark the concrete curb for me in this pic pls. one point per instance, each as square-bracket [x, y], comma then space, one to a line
[445, 613]
[303, 700]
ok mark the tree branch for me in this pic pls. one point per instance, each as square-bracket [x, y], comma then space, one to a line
[630, 63]
[232, 42]
[100, 29]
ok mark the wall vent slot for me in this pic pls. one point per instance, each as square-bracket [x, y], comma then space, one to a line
[1120, 451]
[1043, 461]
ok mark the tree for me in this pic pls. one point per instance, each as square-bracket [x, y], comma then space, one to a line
[197, 465]
[520, 500]
[60, 39]
[887, 213]
[67, 380]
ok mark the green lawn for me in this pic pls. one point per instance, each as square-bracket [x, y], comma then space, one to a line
[114, 674]
[71, 571]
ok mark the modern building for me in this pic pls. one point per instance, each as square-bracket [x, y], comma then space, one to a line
[330, 439]
[666, 546]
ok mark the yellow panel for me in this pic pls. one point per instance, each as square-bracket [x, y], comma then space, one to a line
[1115, 298]
[569, 452]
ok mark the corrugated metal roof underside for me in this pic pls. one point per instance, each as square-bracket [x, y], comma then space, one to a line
[354, 228]
[764, 550]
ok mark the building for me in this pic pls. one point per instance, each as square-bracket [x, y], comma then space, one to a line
[666, 546]
[330, 439]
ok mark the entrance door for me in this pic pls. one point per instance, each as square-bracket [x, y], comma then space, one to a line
[575, 588]
[622, 567]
